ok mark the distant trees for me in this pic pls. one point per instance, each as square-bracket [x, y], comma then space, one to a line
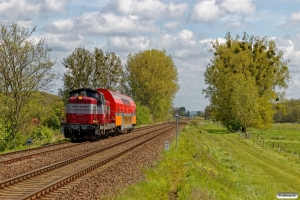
[25, 67]
[151, 79]
[91, 70]
[181, 111]
[200, 114]
[242, 77]
[287, 112]
[188, 114]
[207, 112]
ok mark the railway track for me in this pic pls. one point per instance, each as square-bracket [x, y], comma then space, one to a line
[16, 156]
[28, 150]
[41, 151]
[49, 178]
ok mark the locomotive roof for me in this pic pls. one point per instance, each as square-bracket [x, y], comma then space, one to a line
[86, 89]
[115, 94]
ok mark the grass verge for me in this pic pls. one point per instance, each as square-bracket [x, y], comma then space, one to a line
[210, 163]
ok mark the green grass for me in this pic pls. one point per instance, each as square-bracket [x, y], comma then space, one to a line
[285, 137]
[209, 164]
[58, 139]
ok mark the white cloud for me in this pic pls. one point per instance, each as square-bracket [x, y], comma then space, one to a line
[206, 11]
[290, 46]
[292, 21]
[57, 6]
[295, 17]
[15, 10]
[133, 16]
[106, 24]
[292, 90]
[129, 26]
[233, 12]
[65, 42]
[190, 55]
[171, 25]
[26, 10]
[238, 6]
[127, 44]
[291, 49]
[26, 24]
[147, 8]
[181, 45]
[235, 24]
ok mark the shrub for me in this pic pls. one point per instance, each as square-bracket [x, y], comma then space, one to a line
[143, 115]
[42, 134]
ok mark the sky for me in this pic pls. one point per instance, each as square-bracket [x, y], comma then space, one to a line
[184, 29]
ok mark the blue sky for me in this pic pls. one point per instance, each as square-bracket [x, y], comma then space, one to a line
[183, 28]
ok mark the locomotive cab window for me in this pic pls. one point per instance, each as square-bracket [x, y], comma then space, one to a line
[85, 93]
[73, 94]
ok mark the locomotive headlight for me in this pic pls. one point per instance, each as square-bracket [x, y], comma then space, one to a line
[79, 97]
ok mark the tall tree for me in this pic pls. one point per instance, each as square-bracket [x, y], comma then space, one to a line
[182, 111]
[200, 114]
[92, 70]
[242, 78]
[188, 114]
[152, 80]
[207, 112]
[25, 67]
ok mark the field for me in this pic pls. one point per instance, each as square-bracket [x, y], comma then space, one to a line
[282, 137]
[210, 163]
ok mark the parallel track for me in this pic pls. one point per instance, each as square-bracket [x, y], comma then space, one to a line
[27, 186]
[24, 157]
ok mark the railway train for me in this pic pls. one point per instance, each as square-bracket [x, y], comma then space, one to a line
[93, 114]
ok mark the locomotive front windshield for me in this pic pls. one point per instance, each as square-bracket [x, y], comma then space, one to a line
[85, 93]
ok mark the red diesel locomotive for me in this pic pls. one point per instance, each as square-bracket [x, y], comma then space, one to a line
[92, 114]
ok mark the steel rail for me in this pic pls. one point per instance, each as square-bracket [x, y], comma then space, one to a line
[64, 181]
[36, 148]
[12, 160]
[31, 174]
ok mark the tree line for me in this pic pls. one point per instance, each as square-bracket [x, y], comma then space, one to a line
[287, 111]
[149, 77]
[242, 78]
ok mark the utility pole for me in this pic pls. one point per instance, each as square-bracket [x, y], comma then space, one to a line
[176, 129]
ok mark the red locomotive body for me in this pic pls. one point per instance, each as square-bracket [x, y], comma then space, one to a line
[92, 114]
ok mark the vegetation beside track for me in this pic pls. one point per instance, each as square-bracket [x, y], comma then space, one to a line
[210, 163]
[281, 137]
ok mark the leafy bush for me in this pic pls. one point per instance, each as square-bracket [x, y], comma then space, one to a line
[233, 125]
[143, 115]
[42, 134]
[3, 138]
[193, 123]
